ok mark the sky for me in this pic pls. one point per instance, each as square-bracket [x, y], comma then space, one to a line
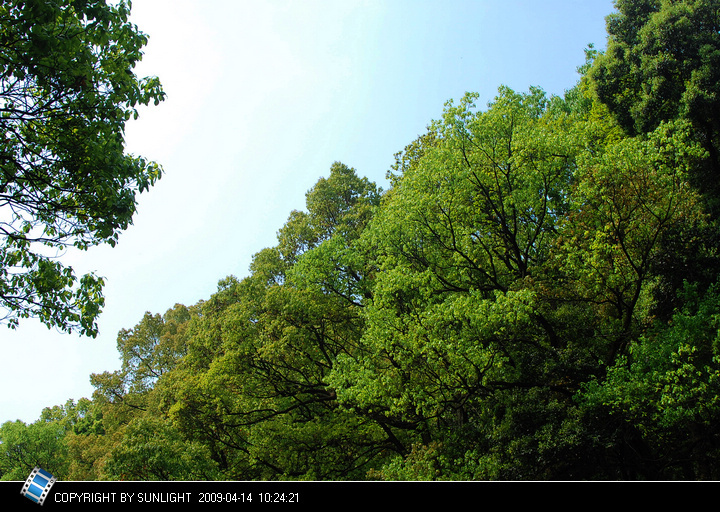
[262, 97]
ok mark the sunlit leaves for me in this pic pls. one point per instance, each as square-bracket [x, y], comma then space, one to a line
[467, 226]
[504, 311]
[67, 87]
[628, 198]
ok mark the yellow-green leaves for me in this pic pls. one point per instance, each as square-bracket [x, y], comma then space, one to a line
[458, 247]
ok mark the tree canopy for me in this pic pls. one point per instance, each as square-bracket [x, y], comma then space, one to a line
[661, 65]
[67, 88]
[535, 297]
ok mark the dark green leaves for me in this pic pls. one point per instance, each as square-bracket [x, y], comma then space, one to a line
[661, 64]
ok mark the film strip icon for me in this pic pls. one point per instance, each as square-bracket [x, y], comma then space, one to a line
[37, 486]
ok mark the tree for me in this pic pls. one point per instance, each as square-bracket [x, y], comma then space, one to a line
[667, 387]
[628, 198]
[148, 352]
[514, 261]
[44, 442]
[458, 323]
[661, 68]
[661, 64]
[253, 385]
[151, 449]
[67, 88]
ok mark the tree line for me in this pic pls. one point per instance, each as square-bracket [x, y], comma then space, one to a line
[535, 297]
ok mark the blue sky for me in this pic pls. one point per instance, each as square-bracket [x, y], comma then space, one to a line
[263, 96]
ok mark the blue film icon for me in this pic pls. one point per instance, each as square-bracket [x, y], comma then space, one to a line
[37, 486]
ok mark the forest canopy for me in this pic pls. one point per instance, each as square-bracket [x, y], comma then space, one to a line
[535, 297]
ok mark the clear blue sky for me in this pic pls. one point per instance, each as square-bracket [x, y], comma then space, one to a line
[263, 96]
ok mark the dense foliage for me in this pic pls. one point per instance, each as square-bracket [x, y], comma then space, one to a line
[535, 297]
[67, 87]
